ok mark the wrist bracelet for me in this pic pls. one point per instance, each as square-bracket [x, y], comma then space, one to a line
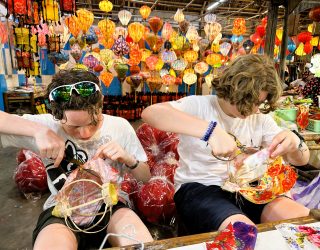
[300, 138]
[134, 166]
[209, 131]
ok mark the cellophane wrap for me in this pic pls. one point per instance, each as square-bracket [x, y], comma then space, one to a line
[30, 174]
[155, 200]
[77, 191]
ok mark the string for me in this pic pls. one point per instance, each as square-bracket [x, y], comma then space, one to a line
[127, 236]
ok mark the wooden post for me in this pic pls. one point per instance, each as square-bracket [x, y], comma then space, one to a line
[284, 43]
[271, 28]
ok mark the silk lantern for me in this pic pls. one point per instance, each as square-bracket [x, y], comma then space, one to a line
[155, 24]
[106, 77]
[168, 79]
[73, 25]
[145, 11]
[192, 34]
[179, 16]
[105, 6]
[225, 48]
[67, 6]
[136, 31]
[166, 31]
[201, 68]
[85, 18]
[124, 17]
[50, 11]
[190, 56]
[190, 78]
[179, 65]
[210, 18]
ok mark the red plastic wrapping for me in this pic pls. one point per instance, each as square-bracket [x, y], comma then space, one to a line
[155, 200]
[30, 175]
[166, 167]
[157, 143]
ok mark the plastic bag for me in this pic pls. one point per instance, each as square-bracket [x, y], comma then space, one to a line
[155, 200]
[167, 167]
[30, 174]
[157, 143]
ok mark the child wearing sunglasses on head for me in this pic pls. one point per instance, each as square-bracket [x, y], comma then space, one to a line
[204, 125]
[78, 130]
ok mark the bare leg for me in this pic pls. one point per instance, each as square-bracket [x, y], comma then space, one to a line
[234, 218]
[56, 236]
[120, 223]
[283, 208]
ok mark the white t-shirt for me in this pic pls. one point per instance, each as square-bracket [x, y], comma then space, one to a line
[113, 128]
[196, 161]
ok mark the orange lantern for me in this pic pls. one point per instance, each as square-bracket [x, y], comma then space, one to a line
[85, 18]
[168, 80]
[155, 42]
[107, 28]
[105, 6]
[106, 77]
[155, 24]
[145, 54]
[73, 25]
[151, 62]
[190, 56]
[213, 59]
[136, 31]
[135, 57]
[135, 69]
[145, 11]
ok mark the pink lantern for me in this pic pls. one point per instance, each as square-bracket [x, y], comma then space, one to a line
[168, 79]
[151, 62]
[90, 61]
[166, 31]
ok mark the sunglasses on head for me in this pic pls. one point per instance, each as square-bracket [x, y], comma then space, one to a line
[63, 93]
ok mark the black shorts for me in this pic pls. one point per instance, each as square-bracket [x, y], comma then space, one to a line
[203, 208]
[85, 240]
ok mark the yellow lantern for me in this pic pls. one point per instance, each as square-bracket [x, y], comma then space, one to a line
[190, 56]
[300, 50]
[145, 11]
[213, 59]
[106, 55]
[178, 42]
[22, 36]
[188, 71]
[35, 71]
[190, 78]
[50, 10]
[105, 5]
[279, 33]
[159, 65]
[179, 16]
[314, 41]
[215, 47]
[136, 31]
[85, 18]
[311, 28]
[107, 27]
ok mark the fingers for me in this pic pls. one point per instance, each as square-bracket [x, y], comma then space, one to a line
[59, 157]
[111, 150]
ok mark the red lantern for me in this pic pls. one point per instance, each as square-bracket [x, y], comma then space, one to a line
[314, 14]
[277, 41]
[68, 6]
[98, 68]
[304, 37]
[307, 48]
[261, 30]
[255, 38]
[264, 21]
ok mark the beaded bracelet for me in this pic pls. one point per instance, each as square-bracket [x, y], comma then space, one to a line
[209, 131]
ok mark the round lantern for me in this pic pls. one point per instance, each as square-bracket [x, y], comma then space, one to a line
[124, 17]
[120, 47]
[105, 6]
[145, 54]
[201, 68]
[145, 11]
[168, 79]
[90, 61]
[304, 37]
[98, 68]
[155, 24]
[225, 48]
[151, 62]
[179, 16]
[213, 59]
[73, 25]
[106, 77]
[179, 65]
[190, 78]
[85, 18]
[190, 56]
[261, 30]
[168, 56]
[106, 55]
[192, 34]
[136, 31]
[121, 70]
[210, 18]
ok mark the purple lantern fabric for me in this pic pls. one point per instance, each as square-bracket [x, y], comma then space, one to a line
[90, 61]
[120, 47]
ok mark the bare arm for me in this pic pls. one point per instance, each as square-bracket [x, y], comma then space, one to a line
[164, 117]
[50, 145]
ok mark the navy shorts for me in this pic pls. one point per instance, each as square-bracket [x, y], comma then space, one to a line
[204, 208]
[85, 240]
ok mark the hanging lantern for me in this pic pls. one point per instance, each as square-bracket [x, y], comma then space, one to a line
[178, 42]
[136, 31]
[22, 36]
[188, 71]
[190, 78]
[135, 56]
[179, 16]
[135, 81]
[120, 31]
[134, 69]
[168, 80]
[208, 80]
[67, 6]
[300, 50]
[201, 68]
[247, 45]
[225, 48]
[105, 6]
[121, 70]
[210, 18]
[124, 17]
[90, 60]
[255, 38]
[179, 65]
[106, 77]
[203, 44]
[73, 25]
[192, 34]
[106, 55]
[155, 24]
[85, 18]
[212, 30]
[120, 47]
[145, 11]
[314, 41]
[166, 31]
[163, 72]
[159, 65]
[307, 48]
[213, 59]
[155, 42]
[3, 33]
[168, 56]
[190, 56]
[106, 27]
[50, 11]
[261, 30]
[145, 54]
[304, 37]
[151, 62]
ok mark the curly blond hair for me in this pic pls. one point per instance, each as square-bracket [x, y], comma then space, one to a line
[243, 80]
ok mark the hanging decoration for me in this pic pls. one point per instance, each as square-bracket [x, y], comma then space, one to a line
[67, 6]
[106, 77]
[107, 28]
[50, 11]
[105, 6]
[179, 16]
[166, 31]
[155, 24]
[201, 68]
[85, 19]
[190, 78]
[210, 18]
[145, 11]
[136, 31]
[120, 47]
[124, 17]
[239, 26]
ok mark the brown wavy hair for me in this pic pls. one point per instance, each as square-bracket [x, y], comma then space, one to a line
[92, 104]
[243, 80]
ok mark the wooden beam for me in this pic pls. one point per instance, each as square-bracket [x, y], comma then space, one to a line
[284, 43]
[271, 28]
[292, 4]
